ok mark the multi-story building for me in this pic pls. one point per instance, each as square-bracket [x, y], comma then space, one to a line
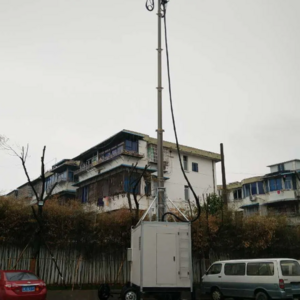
[59, 181]
[105, 175]
[108, 171]
[277, 192]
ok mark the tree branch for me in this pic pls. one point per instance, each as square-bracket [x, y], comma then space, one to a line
[23, 160]
[134, 193]
[50, 192]
[43, 174]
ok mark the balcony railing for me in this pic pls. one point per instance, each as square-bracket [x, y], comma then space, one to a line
[103, 159]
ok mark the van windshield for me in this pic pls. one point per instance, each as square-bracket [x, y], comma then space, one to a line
[290, 268]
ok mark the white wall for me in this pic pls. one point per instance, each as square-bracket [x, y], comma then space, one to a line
[289, 165]
[201, 181]
[63, 186]
[292, 165]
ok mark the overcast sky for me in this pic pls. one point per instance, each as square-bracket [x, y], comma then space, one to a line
[74, 72]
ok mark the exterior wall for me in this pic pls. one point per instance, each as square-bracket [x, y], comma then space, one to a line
[289, 165]
[202, 181]
[25, 192]
[63, 186]
[279, 195]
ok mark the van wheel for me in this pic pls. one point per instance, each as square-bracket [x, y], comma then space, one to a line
[261, 296]
[216, 294]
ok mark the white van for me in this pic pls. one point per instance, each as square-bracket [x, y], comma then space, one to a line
[261, 279]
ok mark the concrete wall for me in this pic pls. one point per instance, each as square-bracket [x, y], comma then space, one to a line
[203, 181]
[292, 165]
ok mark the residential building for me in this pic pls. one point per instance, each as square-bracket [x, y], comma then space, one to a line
[106, 175]
[59, 181]
[277, 192]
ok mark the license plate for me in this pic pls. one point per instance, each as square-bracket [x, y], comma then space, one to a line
[28, 289]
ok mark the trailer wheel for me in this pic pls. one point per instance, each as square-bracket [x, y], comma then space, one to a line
[104, 292]
[130, 294]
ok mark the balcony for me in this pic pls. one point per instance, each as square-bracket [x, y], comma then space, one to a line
[107, 156]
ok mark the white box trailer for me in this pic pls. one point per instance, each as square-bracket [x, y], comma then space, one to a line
[161, 257]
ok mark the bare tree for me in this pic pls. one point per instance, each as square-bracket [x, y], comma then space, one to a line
[22, 154]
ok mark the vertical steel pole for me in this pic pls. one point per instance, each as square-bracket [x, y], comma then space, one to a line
[160, 158]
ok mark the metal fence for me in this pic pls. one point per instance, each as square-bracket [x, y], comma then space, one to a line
[78, 270]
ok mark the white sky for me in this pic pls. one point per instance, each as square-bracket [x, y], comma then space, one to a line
[74, 72]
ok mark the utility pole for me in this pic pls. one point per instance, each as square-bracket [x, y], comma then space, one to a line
[160, 155]
[224, 194]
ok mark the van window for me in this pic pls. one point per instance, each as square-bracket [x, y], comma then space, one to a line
[260, 269]
[290, 268]
[234, 269]
[214, 269]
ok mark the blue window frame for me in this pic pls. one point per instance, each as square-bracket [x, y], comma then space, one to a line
[85, 194]
[194, 167]
[281, 167]
[260, 187]
[253, 188]
[129, 185]
[275, 184]
[131, 145]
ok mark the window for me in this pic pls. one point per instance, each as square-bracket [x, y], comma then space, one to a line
[186, 193]
[237, 194]
[275, 184]
[131, 145]
[16, 276]
[194, 167]
[70, 176]
[251, 210]
[260, 269]
[62, 176]
[235, 269]
[290, 268]
[185, 163]
[100, 202]
[214, 269]
[281, 167]
[288, 183]
[266, 185]
[129, 184]
[85, 194]
[247, 190]
[260, 187]
[253, 188]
